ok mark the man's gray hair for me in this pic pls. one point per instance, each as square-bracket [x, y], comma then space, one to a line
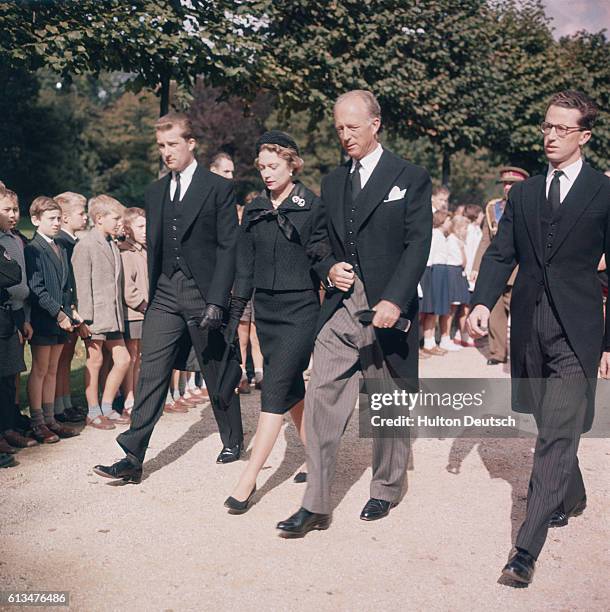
[367, 97]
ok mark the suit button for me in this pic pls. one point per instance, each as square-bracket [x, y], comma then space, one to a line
[548, 246]
[550, 236]
[541, 283]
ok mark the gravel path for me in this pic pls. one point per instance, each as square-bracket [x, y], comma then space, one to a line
[168, 544]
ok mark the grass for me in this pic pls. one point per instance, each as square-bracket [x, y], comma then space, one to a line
[77, 373]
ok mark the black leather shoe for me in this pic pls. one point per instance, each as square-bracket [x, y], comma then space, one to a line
[495, 361]
[375, 509]
[520, 567]
[239, 507]
[121, 470]
[229, 454]
[302, 522]
[70, 415]
[560, 518]
[300, 478]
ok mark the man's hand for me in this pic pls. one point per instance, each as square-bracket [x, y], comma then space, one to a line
[604, 365]
[478, 321]
[27, 331]
[473, 276]
[84, 332]
[386, 314]
[211, 318]
[342, 276]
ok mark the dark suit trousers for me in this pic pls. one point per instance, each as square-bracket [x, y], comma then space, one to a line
[176, 301]
[7, 403]
[558, 389]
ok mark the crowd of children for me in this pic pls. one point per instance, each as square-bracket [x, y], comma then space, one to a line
[448, 282]
[80, 275]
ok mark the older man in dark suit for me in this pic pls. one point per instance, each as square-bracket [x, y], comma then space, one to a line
[191, 230]
[555, 227]
[379, 225]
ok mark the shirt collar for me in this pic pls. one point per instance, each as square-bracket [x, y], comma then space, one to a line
[47, 239]
[368, 162]
[570, 172]
[65, 231]
[187, 173]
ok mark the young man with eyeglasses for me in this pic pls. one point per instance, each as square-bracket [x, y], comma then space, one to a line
[555, 227]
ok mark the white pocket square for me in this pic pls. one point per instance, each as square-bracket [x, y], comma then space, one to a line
[396, 194]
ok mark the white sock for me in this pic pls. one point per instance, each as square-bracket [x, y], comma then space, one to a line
[94, 411]
[429, 343]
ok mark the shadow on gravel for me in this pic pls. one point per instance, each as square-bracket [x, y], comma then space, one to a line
[507, 458]
[196, 433]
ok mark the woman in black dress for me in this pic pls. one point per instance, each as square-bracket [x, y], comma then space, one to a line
[274, 257]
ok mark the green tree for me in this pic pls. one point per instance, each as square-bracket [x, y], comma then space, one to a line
[154, 40]
[585, 65]
[427, 62]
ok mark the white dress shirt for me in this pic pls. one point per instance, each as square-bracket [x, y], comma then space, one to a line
[438, 248]
[566, 180]
[368, 163]
[186, 176]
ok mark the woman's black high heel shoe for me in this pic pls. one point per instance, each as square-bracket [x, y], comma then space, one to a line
[239, 507]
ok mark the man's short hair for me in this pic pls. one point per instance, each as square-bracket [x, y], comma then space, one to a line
[369, 99]
[43, 204]
[570, 98]
[68, 200]
[218, 158]
[104, 205]
[171, 120]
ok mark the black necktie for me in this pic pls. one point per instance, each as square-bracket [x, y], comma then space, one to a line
[176, 198]
[555, 192]
[355, 180]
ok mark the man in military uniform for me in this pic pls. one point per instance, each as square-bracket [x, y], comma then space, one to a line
[498, 319]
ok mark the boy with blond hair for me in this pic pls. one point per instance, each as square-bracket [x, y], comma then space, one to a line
[73, 220]
[99, 286]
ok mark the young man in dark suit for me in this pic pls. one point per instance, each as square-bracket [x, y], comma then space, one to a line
[555, 227]
[191, 231]
[378, 231]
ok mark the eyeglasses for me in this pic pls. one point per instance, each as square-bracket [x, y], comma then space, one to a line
[561, 130]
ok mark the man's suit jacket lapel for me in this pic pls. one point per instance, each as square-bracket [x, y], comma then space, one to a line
[154, 214]
[194, 199]
[575, 203]
[531, 201]
[377, 187]
[335, 197]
